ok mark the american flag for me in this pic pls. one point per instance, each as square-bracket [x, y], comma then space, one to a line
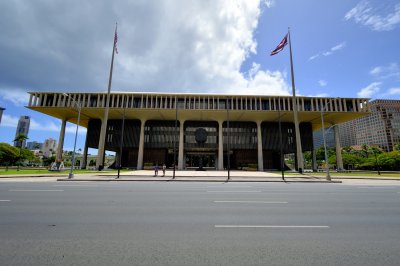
[280, 46]
[116, 40]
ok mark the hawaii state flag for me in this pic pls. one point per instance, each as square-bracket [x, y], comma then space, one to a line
[281, 45]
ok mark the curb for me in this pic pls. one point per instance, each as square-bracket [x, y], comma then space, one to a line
[196, 180]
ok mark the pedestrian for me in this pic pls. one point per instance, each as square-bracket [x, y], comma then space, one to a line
[163, 169]
[156, 170]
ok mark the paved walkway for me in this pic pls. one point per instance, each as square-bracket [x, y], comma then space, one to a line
[208, 176]
[187, 175]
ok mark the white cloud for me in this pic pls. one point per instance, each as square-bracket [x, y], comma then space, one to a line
[364, 14]
[332, 50]
[322, 83]
[16, 96]
[269, 3]
[370, 90]
[394, 91]
[200, 46]
[323, 94]
[12, 121]
[384, 72]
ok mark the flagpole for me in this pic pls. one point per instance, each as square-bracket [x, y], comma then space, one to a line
[300, 163]
[101, 150]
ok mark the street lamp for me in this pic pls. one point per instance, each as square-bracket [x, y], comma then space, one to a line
[328, 175]
[78, 106]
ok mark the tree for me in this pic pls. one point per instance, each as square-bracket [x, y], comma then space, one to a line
[365, 150]
[8, 154]
[397, 147]
[375, 151]
[19, 139]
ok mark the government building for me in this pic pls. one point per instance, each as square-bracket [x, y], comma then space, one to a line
[196, 130]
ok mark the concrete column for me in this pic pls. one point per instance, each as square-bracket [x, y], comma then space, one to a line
[339, 160]
[314, 160]
[181, 145]
[220, 147]
[141, 147]
[101, 147]
[61, 141]
[259, 148]
[85, 152]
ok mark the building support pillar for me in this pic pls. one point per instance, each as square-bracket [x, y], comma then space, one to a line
[220, 146]
[259, 148]
[314, 160]
[101, 147]
[339, 159]
[141, 146]
[60, 146]
[181, 145]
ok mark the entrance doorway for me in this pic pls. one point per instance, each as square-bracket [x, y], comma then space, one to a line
[200, 160]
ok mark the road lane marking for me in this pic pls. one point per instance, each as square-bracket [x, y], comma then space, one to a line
[379, 187]
[270, 226]
[233, 186]
[74, 185]
[250, 201]
[233, 191]
[36, 190]
[5, 200]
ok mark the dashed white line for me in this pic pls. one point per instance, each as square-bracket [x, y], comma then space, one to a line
[36, 190]
[270, 226]
[233, 191]
[5, 200]
[250, 201]
[74, 186]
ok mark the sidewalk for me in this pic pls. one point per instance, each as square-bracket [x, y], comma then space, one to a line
[198, 176]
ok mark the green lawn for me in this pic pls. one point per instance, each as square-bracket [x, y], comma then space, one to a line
[29, 171]
[354, 173]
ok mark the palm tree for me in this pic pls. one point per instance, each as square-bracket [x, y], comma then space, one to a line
[19, 139]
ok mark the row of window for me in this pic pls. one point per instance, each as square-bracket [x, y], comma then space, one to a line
[196, 102]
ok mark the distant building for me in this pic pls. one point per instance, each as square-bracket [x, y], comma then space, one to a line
[1, 113]
[381, 127]
[22, 128]
[319, 140]
[34, 145]
[49, 147]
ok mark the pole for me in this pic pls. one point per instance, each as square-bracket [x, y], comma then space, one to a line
[71, 174]
[328, 176]
[176, 125]
[100, 154]
[280, 141]
[300, 164]
[122, 140]
[228, 143]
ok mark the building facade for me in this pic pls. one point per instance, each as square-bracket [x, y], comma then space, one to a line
[22, 128]
[381, 127]
[1, 113]
[49, 147]
[196, 130]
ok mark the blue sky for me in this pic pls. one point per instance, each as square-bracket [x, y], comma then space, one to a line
[340, 48]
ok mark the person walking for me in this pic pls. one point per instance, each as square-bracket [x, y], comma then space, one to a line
[164, 167]
[156, 170]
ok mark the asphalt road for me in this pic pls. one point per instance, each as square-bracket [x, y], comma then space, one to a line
[198, 223]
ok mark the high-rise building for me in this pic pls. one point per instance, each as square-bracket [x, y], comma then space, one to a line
[319, 140]
[34, 145]
[22, 128]
[1, 112]
[49, 147]
[381, 127]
